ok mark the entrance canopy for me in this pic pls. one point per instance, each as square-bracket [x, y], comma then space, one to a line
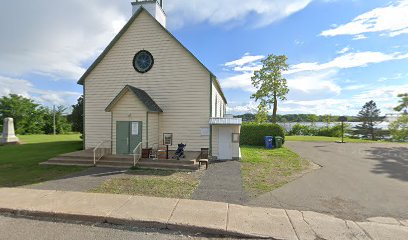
[225, 121]
[150, 104]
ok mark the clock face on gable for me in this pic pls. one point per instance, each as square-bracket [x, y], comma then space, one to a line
[143, 61]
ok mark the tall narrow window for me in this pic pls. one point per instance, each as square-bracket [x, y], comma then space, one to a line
[216, 106]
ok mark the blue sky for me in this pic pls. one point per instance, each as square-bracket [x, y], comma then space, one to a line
[342, 53]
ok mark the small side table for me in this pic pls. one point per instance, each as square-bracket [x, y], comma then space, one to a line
[203, 162]
[146, 152]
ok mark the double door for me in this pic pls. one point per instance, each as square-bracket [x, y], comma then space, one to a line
[128, 136]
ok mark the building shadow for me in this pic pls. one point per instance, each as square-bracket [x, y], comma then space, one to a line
[151, 172]
[391, 161]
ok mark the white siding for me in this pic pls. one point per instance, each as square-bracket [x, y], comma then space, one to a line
[177, 83]
[153, 128]
[235, 146]
[218, 103]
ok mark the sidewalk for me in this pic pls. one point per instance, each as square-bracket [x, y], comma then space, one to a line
[195, 216]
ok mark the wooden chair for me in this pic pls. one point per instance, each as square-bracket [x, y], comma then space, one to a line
[204, 158]
[161, 152]
[154, 153]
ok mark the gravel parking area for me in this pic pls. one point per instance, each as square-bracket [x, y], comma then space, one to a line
[356, 181]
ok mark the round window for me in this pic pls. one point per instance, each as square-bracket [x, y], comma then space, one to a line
[143, 61]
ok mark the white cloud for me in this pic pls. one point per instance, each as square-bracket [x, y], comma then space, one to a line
[344, 50]
[316, 83]
[309, 82]
[396, 76]
[26, 89]
[355, 87]
[243, 69]
[250, 107]
[231, 11]
[246, 59]
[55, 38]
[360, 37]
[383, 93]
[349, 60]
[391, 20]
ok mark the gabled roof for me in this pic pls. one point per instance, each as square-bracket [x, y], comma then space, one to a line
[150, 104]
[123, 31]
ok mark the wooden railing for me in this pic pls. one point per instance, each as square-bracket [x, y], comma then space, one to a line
[137, 154]
[102, 149]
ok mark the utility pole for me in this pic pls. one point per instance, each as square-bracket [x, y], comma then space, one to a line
[53, 118]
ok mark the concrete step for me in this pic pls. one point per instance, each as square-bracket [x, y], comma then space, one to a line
[167, 166]
[88, 157]
[115, 163]
[77, 160]
[184, 162]
[123, 163]
[66, 164]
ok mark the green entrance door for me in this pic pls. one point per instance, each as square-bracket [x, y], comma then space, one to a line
[128, 136]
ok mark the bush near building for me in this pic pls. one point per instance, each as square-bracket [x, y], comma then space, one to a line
[330, 131]
[253, 134]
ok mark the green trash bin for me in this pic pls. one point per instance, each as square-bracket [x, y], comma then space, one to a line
[278, 142]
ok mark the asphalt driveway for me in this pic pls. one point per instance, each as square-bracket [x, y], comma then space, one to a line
[356, 181]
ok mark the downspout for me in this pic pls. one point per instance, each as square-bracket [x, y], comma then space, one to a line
[112, 133]
[147, 129]
[211, 105]
[83, 117]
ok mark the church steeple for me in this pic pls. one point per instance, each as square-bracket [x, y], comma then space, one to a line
[154, 7]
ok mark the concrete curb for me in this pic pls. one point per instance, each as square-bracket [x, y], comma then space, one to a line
[193, 216]
[135, 223]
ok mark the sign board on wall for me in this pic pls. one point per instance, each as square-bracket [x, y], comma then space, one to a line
[135, 128]
[205, 132]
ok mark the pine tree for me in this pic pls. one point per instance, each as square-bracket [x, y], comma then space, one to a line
[369, 116]
[403, 107]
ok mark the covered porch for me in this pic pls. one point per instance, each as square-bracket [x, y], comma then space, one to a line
[91, 158]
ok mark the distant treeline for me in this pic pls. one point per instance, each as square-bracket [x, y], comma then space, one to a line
[248, 117]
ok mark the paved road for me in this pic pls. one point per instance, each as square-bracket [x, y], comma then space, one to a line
[82, 181]
[356, 181]
[222, 182]
[12, 228]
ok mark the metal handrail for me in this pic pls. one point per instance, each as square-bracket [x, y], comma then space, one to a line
[137, 154]
[99, 152]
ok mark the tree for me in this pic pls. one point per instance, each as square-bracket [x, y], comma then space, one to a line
[399, 128]
[262, 115]
[62, 125]
[77, 116]
[270, 84]
[313, 119]
[327, 120]
[369, 115]
[403, 103]
[27, 115]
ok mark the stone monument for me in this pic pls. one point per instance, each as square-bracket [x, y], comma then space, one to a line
[8, 136]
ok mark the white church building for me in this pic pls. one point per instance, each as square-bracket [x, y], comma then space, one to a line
[147, 88]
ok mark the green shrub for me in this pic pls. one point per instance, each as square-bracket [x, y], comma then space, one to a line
[307, 130]
[254, 133]
[303, 130]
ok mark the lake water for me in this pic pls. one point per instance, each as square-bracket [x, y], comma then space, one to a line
[289, 126]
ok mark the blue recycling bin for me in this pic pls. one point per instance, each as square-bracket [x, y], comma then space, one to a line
[268, 142]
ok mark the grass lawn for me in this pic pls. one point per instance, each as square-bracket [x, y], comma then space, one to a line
[326, 139]
[155, 183]
[19, 164]
[264, 170]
